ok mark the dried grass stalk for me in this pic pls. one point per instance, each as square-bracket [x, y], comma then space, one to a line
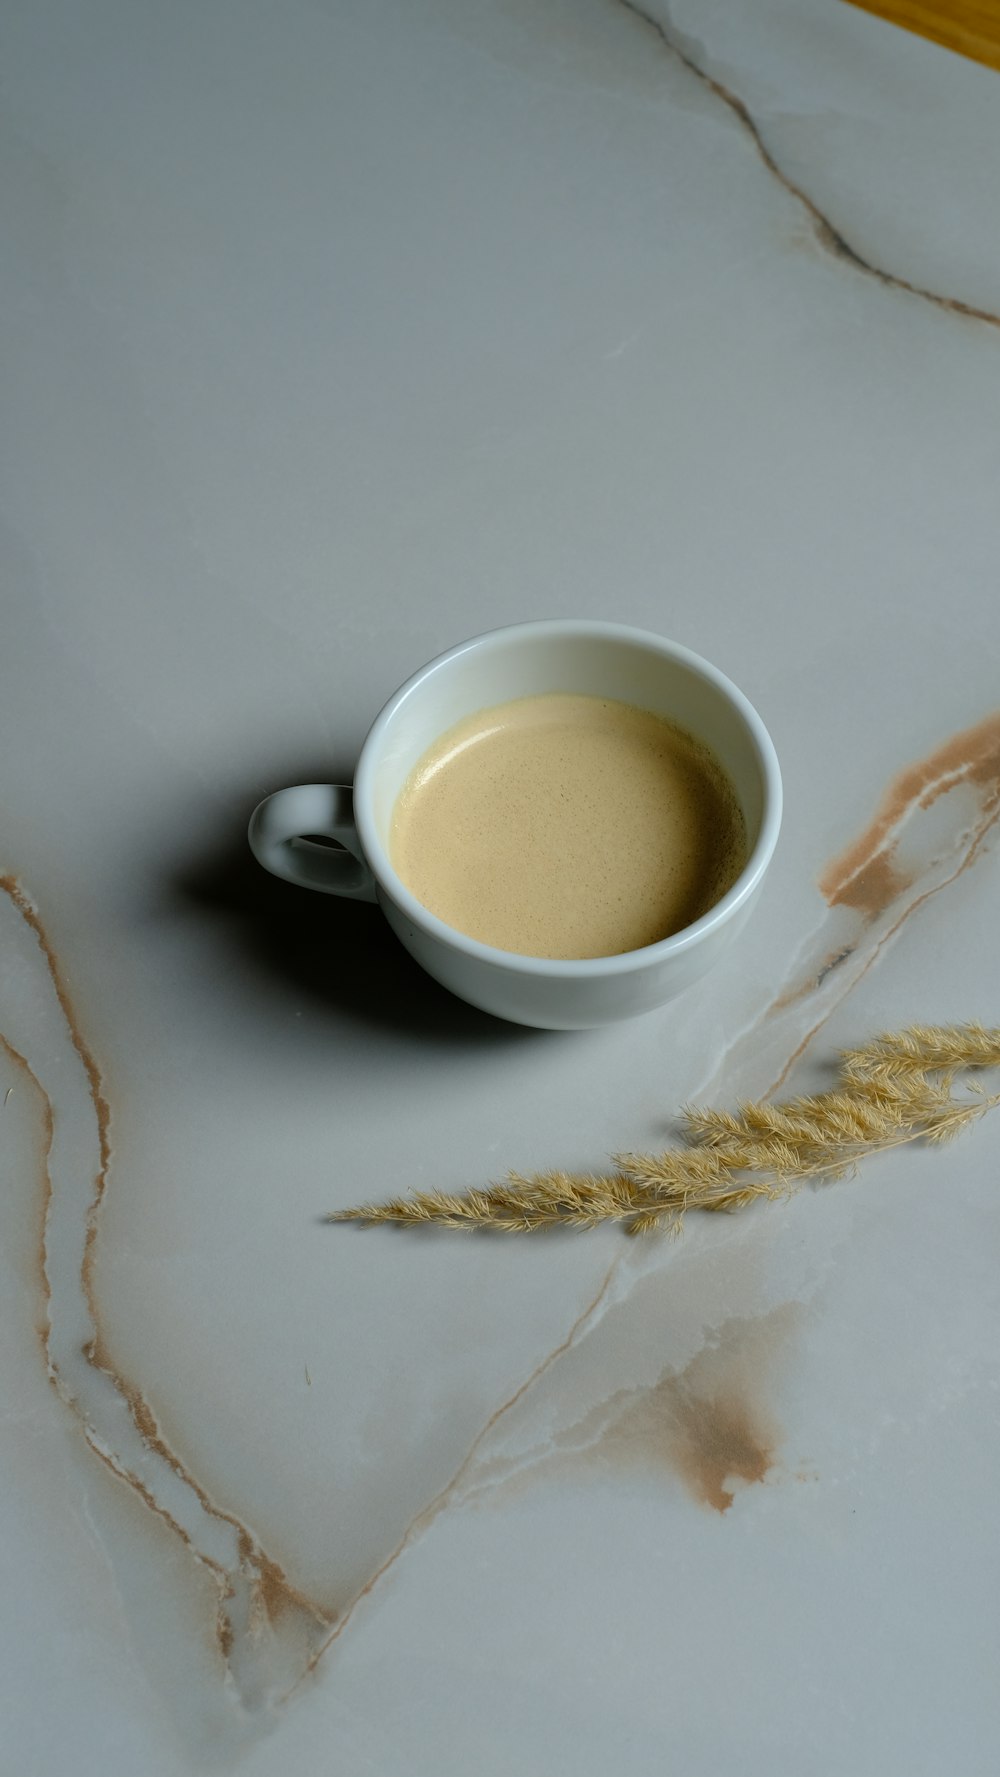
[899, 1088]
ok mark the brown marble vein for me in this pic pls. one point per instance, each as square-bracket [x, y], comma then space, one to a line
[254, 1591]
[709, 1423]
[44, 1177]
[934, 820]
[827, 236]
[44, 1198]
[865, 875]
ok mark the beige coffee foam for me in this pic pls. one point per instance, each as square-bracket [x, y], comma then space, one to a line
[567, 826]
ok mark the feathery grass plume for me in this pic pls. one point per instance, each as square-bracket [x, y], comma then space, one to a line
[896, 1089]
[923, 1049]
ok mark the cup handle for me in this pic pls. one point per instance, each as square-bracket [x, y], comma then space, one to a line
[278, 835]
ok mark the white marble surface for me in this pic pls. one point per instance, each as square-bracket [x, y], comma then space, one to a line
[331, 333]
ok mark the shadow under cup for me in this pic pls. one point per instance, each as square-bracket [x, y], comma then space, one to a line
[596, 659]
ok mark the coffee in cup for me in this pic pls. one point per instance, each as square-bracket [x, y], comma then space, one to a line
[567, 826]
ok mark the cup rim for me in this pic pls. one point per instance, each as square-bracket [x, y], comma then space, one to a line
[582, 968]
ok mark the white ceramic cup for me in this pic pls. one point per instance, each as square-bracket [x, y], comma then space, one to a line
[604, 660]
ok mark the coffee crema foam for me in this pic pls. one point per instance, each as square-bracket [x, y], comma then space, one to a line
[567, 826]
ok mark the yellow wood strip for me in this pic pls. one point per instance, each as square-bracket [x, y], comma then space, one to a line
[972, 27]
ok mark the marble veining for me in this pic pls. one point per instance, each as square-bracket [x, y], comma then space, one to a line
[709, 1424]
[331, 335]
[935, 819]
[703, 1421]
[264, 1626]
[827, 235]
